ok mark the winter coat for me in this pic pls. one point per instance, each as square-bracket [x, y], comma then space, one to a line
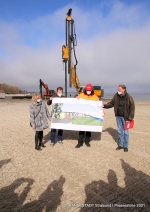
[39, 115]
[129, 107]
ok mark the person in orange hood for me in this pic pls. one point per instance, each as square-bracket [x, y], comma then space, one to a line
[88, 94]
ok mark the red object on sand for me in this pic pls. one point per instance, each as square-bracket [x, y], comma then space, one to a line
[129, 125]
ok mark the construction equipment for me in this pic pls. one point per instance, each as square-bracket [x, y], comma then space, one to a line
[48, 92]
[67, 49]
[67, 53]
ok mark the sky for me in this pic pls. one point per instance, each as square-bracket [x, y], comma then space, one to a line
[113, 43]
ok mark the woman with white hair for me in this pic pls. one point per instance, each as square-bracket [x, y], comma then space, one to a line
[38, 119]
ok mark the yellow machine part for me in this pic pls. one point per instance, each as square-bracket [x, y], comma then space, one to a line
[74, 78]
[69, 18]
[65, 52]
[97, 92]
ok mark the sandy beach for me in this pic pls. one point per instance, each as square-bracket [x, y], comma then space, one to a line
[63, 178]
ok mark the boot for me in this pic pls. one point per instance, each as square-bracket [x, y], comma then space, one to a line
[87, 139]
[42, 145]
[78, 145]
[38, 148]
[36, 140]
[80, 139]
[41, 139]
[87, 144]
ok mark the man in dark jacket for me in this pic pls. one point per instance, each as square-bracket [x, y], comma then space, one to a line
[53, 131]
[124, 109]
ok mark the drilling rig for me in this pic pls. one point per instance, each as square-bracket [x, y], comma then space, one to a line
[68, 51]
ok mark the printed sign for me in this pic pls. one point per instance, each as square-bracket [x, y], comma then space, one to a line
[77, 114]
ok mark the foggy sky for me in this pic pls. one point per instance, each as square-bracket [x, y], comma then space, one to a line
[111, 50]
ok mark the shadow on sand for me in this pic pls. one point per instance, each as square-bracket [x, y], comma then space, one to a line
[46, 138]
[10, 200]
[49, 200]
[136, 191]
[4, 162]
[113, 132]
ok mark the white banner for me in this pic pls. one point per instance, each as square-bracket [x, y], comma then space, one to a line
[77, 114]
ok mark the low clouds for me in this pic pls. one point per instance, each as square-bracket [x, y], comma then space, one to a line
[120, 57]
[112, 48]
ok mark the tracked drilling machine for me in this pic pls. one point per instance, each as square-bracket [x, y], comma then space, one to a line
[68, 51]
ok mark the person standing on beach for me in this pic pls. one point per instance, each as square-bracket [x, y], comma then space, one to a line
[38, 119]
[124, 109]
[53, 131]
[88, 94]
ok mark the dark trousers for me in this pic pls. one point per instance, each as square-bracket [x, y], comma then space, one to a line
[38, 138]
[53, 133]
[83, 134]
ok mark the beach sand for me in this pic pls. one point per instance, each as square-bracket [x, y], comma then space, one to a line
[61, 178]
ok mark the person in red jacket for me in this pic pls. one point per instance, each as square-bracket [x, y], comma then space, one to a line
[88, 94]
